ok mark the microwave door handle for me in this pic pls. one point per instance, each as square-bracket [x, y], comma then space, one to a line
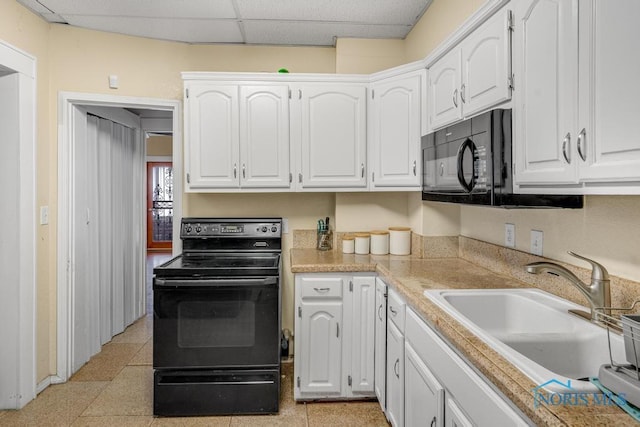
[468, 143]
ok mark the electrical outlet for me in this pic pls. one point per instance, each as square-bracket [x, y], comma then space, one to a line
[536, 242]
[510, 235]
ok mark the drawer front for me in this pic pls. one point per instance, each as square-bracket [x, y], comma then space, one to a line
[395, 309]
[318, 287]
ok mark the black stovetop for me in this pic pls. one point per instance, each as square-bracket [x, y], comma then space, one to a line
[221, 264]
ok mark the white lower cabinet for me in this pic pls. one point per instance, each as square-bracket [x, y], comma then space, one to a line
[380, 344]
[395, 359]
[334, 345]
[448, 385]
[395, 375]
[424, 396]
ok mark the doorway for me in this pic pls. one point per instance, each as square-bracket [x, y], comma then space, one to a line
[159, 206]
[17, 227]
[70, 253]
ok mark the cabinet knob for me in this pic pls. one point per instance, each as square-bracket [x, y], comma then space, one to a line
[414, 168]
[244, 171]
[455, 98]
[462, 90]
[235, 170]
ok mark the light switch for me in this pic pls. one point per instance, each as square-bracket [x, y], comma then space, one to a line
[44, 215]
[113, 81]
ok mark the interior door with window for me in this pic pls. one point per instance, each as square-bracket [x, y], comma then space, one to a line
[159, 205]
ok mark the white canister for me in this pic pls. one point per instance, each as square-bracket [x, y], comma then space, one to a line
[362, 243]
[348, 244]
[399, 240]
[379, 242]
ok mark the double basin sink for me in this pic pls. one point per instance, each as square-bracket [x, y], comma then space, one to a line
[533, 330]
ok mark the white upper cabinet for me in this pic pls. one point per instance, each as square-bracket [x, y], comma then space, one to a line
[609, 147]
[237, 136]
[331, 123]
[486, 65]
[575, 106]
[444, 90]
[395, 111]
[545, 68]
[474, 76]
[212, 136]
[264, 136]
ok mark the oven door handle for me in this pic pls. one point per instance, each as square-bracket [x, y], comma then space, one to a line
[213, 283]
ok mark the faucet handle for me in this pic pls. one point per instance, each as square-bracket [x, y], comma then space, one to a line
[598, 271]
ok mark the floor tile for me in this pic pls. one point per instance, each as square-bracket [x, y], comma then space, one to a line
[139, 332]
[144, 356]
[58, 405]
[105, 365]
[269, 420]
[120, 421]
[345, 413]
[192, 422]
[130, 393]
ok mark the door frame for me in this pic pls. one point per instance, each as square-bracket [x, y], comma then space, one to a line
[25, 65]
[67, 103]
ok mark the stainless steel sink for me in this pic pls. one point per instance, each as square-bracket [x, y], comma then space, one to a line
[533, 330]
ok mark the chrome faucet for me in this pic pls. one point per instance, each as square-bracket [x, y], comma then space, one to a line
[598, 293]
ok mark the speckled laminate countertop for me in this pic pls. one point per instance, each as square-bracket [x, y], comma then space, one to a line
[410, 276]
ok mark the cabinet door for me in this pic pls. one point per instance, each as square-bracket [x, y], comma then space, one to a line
[454, 415]
[424, 396]
[362, 330]
[380, 353]
[320, 352]
[609, 110]
[333, 136]
[395, 375]
[546, 78]
[264, 136]
[212, 137]
[444, 96]
[486, 65]
[395, 115]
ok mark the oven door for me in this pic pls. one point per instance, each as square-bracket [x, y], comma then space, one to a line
[216, 323]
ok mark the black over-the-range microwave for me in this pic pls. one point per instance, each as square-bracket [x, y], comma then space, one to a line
[470, 162]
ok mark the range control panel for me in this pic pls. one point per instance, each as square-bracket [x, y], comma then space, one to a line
[202, 227]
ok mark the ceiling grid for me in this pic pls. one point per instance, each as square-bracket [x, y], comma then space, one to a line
[266, 22]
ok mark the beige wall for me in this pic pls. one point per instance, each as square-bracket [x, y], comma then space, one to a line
[441, 19]
[607, 230]
[366, 56]
[159, 145]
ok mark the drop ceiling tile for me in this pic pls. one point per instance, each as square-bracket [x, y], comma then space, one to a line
[217, 9]
[183, 30]
[362, 11]
[314, 33]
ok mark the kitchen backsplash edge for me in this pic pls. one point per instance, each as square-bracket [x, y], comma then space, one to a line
[499, 259]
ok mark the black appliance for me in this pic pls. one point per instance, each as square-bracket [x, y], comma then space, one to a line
[216, 319]
[471, 162]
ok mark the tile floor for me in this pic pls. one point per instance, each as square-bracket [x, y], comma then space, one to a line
[115, 388]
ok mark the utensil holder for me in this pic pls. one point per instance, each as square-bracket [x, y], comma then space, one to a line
[324, 240]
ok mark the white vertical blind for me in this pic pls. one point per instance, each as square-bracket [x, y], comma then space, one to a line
[108, 229]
